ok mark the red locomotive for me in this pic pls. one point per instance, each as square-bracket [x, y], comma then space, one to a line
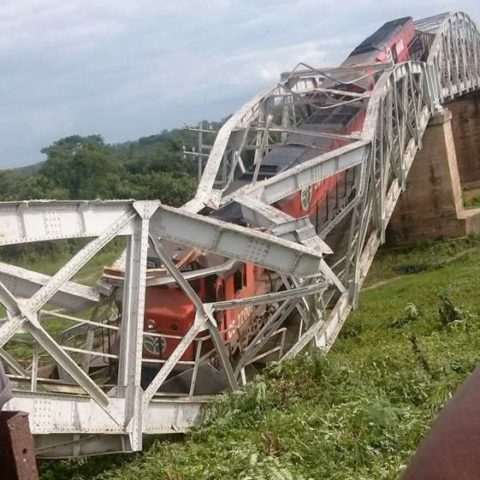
[169, 313]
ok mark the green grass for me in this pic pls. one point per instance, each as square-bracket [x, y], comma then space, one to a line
[359, 412]
[49, 263]
[393, 262]
[471, 198]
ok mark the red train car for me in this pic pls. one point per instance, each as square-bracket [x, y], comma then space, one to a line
[169, 313]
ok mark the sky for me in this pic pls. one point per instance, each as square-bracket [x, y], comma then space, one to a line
[130, 68]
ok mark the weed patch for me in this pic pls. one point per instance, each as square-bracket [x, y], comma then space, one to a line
[357, 413]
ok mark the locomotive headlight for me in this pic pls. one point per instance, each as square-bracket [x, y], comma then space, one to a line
[151, 324]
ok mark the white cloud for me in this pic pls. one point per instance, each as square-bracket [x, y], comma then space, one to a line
[130, 68]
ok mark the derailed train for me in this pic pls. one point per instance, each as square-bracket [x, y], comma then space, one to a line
[169, 313]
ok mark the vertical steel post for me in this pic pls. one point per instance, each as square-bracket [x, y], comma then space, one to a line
[133, 306]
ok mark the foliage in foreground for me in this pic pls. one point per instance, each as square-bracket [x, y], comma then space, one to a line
[358, 413]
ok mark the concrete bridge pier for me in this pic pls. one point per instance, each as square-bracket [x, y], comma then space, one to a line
[466, 132]
[432, 205]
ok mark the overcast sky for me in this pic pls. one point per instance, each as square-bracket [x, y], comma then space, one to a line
[130, 68]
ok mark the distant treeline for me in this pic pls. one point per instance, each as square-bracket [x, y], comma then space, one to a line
[85, 167]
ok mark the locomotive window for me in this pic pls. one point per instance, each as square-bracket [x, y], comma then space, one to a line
[195, 284]
[210, 288]
[239, 279]
[395, 53]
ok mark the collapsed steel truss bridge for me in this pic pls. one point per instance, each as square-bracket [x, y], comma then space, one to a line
[318, 271]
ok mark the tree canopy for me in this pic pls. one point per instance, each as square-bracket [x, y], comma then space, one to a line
[85, 167]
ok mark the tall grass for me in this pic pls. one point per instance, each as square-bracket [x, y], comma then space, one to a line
[358, 413]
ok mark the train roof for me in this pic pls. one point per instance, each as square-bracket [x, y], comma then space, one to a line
[379, 39]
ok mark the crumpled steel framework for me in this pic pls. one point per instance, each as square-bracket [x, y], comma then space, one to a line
[318, 274]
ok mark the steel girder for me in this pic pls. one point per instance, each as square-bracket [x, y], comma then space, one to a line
[24, 283]
[125, 408]
[320, 274]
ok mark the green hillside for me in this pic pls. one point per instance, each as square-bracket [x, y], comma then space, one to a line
[85, 167]
[358, 413]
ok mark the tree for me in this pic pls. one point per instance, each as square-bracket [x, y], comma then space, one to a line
[81, 165]
[84, 167]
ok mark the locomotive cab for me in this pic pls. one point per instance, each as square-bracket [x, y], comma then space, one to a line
[170, 313]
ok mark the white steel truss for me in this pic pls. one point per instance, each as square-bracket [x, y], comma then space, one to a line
[316, 271]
